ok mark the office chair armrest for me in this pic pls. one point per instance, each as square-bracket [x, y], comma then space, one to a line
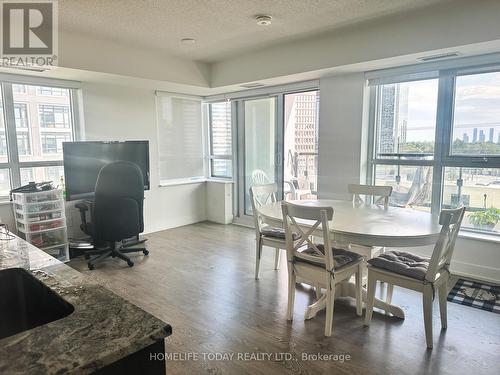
[82, 207]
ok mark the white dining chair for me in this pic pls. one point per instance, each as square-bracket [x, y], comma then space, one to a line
[315, 264]
[379, 194]
[365, 194]
[420, 274]
[259, 177]
[265, 235]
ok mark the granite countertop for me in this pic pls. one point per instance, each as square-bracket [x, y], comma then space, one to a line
[102, 329]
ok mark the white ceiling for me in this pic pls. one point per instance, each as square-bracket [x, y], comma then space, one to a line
[222, 28]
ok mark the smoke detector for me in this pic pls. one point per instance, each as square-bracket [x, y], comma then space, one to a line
[263, 20]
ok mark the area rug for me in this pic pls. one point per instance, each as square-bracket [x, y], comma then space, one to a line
[478, 295]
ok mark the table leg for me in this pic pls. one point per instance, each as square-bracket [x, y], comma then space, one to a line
[348, 289]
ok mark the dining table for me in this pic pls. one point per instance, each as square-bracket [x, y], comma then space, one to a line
[365, 225]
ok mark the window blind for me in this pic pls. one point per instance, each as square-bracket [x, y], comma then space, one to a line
[180, 138]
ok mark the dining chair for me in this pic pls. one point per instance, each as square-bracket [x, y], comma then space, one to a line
[380, 196]
[423, 275]
[317, 264]
[265, 235]
[259, 177]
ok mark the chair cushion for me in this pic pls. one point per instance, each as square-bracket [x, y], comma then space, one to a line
[341, 257]
[402, 263]
[276, 232]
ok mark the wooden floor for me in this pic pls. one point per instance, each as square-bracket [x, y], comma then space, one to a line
[200, 279]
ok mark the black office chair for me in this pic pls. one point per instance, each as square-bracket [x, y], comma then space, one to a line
[117, 213]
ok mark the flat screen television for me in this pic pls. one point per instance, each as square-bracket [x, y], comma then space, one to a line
[84, 160]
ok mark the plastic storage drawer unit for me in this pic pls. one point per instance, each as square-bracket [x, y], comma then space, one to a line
[42, 196]
[41, 225]
[22, 217]
[60, 252]
[45, 238]
[30, 208]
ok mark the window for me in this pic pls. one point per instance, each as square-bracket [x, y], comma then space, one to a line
[21, 115]
[476, 121]
[52, 91]
[406, 120]
[52, 142]
[440, 154]
[23, 143]
[221, 149]
[54, 116]
[180, 138]
[19, 89]
[31, 149]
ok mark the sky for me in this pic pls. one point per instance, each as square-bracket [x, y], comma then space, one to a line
[477, 101]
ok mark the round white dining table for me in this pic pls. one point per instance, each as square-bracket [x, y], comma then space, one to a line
[369, 225]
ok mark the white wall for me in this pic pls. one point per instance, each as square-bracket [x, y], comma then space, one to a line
[123, 113]
[342, 160]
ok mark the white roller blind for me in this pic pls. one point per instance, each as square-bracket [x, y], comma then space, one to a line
[180, 138]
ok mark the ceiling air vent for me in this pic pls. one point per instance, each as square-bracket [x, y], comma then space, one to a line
[439, 56]
[252, 85]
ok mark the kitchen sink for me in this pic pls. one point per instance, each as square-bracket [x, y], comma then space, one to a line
[25, 303]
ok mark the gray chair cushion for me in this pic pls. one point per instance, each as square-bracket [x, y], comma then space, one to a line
[402, 263]
[276, 232]
[341, 257]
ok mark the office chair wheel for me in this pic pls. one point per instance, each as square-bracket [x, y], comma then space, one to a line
[91, 266]
[145, 252]
[130, 263]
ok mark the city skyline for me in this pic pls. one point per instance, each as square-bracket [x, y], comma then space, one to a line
[476, 114]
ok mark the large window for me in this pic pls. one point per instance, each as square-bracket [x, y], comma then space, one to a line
[437, 142]
[221, 149]
[34, 121]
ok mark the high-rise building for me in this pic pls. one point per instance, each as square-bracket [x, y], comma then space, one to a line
[474, 135]
[490, 139]
[394, 118]
[301, 138]
[482, 137]
[465, 138]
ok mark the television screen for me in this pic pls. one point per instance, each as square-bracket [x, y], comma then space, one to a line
[84, 160]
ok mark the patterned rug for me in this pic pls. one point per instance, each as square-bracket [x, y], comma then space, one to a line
[478, 295]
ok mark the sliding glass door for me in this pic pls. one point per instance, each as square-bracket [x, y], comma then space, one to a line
[277, 142]
[300, 165]
[260, 148]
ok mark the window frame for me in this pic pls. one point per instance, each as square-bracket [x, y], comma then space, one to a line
[13, 163]
[211, 155]
[443, 157]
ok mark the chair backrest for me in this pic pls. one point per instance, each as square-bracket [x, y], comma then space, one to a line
[259, 177]
[318, 219]
[291, 189]
[380, 194]
[259, 196]
[118, 202]
[443, 250]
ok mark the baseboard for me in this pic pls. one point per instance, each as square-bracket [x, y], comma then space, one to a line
[476, 272]
[175, 222]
